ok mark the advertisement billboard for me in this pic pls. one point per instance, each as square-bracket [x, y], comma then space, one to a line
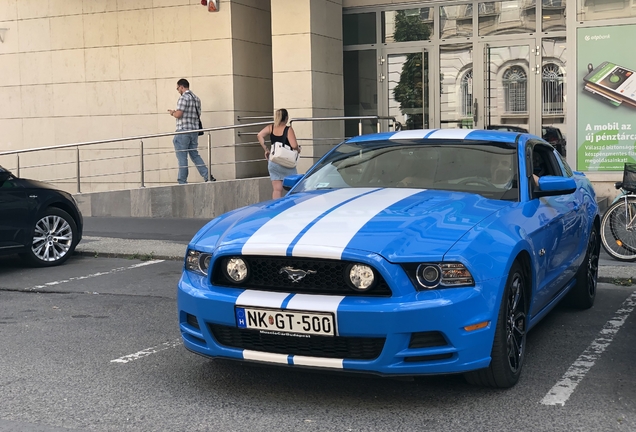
[606, 103]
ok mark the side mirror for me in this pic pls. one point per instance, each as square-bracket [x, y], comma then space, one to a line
[290, 181]
[555, 185]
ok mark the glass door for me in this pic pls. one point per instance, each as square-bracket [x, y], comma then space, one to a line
[404, 79]
[507, 100]
[457, 103]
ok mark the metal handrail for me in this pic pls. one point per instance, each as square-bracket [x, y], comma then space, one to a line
[359, 118]
[133, 138]
[142, 155]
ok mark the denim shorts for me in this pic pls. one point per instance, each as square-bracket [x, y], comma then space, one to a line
[277, 172]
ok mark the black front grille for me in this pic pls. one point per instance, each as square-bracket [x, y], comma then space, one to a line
[355, 348]
[330, 277]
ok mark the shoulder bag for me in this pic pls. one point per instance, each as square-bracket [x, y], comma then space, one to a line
[283, 155]
[194, 101]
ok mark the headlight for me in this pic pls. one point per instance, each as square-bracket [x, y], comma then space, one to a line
[198, 262]
[432, 275]
[235, 269]
[361, 276]
[428, 275]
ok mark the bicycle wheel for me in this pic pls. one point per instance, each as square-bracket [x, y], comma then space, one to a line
[618, 230]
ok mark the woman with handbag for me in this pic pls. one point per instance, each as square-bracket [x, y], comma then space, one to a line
[283, 155]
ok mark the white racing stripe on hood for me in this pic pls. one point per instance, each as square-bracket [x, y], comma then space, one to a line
[261, 299]
[450, 134]
[330, 235]
[274, 237]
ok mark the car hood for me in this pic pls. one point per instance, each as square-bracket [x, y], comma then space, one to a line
[398, 224]
[29, 183]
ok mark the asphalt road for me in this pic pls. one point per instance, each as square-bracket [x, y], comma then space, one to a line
[94, 346]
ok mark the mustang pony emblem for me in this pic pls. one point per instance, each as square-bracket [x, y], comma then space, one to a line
[296, 275]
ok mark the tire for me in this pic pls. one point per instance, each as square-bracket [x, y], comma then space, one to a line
[617, 240]
[583, 293]
[509, 345]
[54, 239]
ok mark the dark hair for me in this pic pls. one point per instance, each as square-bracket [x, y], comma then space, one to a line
[183, 82]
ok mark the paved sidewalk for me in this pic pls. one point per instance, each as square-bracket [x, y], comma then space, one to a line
[164, 238]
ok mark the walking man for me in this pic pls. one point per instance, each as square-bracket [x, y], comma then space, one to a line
[188, 113]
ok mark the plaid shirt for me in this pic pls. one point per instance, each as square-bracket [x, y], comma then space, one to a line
[189, 103]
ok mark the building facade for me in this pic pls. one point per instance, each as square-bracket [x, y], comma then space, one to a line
[85, 70]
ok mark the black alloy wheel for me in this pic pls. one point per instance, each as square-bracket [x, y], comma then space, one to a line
[583, 293]
[509, 344]
[54, 239]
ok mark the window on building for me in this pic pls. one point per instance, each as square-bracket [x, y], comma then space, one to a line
[467, 94]
[515, 84]
[455, 21]
[592, 10]
[358, 29]
[407, 25]
[552, 89]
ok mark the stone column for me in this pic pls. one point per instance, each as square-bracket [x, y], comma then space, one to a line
[307, 70]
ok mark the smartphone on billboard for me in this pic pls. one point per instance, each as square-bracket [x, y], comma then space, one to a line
[602, 94]
[612, 81]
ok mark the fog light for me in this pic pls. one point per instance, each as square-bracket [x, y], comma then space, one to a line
[236, 269]
[361, 276]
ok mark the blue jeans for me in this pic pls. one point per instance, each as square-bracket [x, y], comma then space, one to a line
[184, 145]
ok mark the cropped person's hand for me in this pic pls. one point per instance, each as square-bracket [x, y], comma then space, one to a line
[267, 154]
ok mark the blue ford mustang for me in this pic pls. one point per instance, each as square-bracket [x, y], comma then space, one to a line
[402, 253]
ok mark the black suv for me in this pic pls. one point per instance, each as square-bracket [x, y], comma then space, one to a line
[554, 137]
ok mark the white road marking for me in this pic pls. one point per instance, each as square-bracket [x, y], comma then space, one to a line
[146, 352]
[563, 389]
[94, 275]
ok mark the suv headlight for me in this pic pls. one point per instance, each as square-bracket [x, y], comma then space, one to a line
[198, 262]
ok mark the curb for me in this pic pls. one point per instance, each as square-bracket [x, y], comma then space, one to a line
[139, 256]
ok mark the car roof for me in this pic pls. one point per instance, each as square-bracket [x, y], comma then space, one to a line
[443, 134]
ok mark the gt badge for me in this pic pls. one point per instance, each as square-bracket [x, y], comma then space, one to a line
[296, 275]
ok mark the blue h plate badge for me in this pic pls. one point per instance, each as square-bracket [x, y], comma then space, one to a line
[241, 322]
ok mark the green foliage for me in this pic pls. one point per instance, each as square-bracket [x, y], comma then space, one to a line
[410, 28]
[409, 90]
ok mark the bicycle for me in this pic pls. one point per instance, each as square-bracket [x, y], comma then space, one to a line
[618, 225]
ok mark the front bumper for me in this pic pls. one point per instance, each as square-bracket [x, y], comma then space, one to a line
[400, 321]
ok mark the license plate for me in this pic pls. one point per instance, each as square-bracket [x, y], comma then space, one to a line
[281, 322]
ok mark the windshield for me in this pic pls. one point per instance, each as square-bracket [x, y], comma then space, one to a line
[488, 169]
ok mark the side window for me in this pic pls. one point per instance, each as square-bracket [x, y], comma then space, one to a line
[7, 184]
[544, 161]
[564, 165]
